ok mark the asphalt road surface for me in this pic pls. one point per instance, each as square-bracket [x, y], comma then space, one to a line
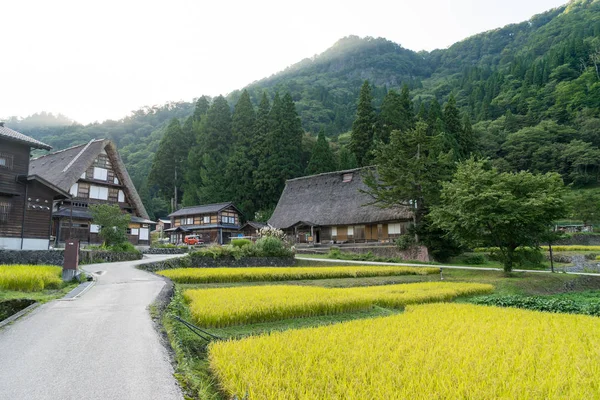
[102, 345]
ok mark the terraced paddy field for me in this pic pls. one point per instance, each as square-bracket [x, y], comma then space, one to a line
[220, 369]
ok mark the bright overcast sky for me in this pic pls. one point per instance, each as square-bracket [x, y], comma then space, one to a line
[98, 60]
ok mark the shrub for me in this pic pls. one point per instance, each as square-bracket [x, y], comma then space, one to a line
[591, 256]
[240, 242]
[269, 231]
[124, 247]
[436, 351]
[477, 259]
[271, 246]
[537, 303]
[405, 242]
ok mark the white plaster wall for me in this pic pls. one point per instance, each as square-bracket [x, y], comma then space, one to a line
[28, 244]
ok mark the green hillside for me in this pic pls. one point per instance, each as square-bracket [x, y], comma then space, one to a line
[531, 91]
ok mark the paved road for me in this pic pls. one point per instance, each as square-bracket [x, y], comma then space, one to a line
[328, 260]
[102, 345]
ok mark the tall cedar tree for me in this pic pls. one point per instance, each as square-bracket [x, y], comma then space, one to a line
[453, 128]
[434, 118]
[193, 181]
[407, 110]
[363, 127]
[243, 162]
[322, 158]
[467, 140]
[390, 116]
[281, 157]
[169, 164]
[347, 159]
[216, 147]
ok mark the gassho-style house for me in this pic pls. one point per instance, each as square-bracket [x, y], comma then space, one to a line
[91, 173]
[331, 208]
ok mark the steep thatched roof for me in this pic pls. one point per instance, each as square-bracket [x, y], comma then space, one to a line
[325, 199]
[14, 136]
[64, 168]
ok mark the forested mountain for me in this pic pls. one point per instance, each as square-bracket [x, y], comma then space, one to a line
[530, 90]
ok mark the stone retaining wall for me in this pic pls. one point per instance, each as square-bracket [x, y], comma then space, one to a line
[164, 251]
[227, 262]
[581, 240]
[56, 257]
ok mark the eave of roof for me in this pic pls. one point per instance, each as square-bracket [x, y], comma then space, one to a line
[203, 209]
[15, 136]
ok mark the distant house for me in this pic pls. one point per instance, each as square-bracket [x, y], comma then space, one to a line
[25, 198]
[214, 223]
[250, 228]
[331, 208]
[163, 224]
[91, 173]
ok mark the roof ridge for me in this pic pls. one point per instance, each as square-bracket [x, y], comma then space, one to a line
[68, 148]
[204, 205]
[346, 171]
[78, 155]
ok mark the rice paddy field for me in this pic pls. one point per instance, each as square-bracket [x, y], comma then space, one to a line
[215, 275]
[30, 278]
[435, 351]
[372, 337]
[252, 304]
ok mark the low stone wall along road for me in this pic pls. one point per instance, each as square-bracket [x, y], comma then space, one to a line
[102, 345]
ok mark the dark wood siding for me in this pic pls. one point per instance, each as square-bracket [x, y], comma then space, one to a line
[39, 211]
[12, 193]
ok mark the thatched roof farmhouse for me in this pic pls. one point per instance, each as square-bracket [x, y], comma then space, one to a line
[331, 207]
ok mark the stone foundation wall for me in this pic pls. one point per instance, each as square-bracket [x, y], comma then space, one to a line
[56, 257]
[581, 240]
[164, 251]
[419, 253]
[227, 262]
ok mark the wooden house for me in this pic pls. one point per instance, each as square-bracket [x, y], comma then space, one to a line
[213, 223]
[250, 229]
[91, 173]
[26, 199]
[332, 208]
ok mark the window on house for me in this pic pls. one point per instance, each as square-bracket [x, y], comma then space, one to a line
[394, 229]
[334, 231]
[190, 221]
[121, 196]
[5, 208]
[135, 231]
[100, 174]
[182, 221]
[359, 232]
[350, 231]
[206, 219]
[74, 190]
[94, 228]
[98, 192]
[6, 160]
[228, 220]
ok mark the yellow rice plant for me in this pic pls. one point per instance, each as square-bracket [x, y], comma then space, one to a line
[252, 304]
[222, 275]
[30, 278]
[434, 351]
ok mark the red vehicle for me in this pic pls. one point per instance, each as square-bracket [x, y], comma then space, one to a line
[193, 240]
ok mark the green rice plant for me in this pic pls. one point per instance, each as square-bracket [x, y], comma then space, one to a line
[434, 351]
[252, 304]
[258, 274]
[30, 278]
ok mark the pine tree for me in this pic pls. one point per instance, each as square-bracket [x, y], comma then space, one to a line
[242, 162]
[202, 106]
[390, 117]
[216, 146]
[363, 126]
[322, 158]
[169, 164]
